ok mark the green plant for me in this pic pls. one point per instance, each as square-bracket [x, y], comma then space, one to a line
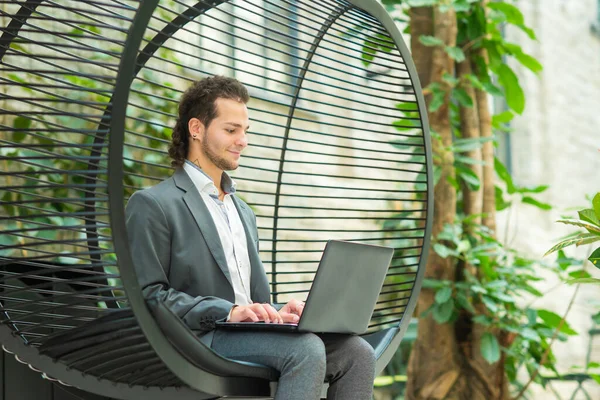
[476, 308]
[589, 219]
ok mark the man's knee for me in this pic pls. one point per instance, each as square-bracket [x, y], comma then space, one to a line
[363, 350]
[362, 353]
[310, 349]
[311, 345]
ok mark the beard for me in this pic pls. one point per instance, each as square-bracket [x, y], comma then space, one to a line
[220, 162]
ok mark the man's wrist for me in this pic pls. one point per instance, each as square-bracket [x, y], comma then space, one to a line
[231, 312]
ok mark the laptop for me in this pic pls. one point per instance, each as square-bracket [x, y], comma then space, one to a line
[342, 297]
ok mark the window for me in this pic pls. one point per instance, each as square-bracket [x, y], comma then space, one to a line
[252, 40]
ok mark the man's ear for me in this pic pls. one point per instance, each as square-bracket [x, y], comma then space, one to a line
[196, 128]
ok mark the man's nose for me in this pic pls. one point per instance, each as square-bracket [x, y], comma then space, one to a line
[242, 140]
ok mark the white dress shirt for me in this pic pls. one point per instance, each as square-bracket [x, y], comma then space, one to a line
[229, 226]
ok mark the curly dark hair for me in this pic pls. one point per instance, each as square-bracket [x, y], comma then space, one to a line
[198, 101]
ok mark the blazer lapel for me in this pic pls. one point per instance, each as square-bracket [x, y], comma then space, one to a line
[203, 219]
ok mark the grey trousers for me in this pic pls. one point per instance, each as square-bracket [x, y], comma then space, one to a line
[305, 361]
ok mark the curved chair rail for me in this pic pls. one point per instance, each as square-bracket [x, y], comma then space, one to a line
[339, 149]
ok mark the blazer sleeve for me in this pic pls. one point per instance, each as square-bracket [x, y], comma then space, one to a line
[150, 243]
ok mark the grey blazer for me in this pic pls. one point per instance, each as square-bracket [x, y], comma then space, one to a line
[178, 255]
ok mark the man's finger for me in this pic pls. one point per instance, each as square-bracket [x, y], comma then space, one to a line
[289, 317]
[273, 314]
[260, 311]
[244, 314]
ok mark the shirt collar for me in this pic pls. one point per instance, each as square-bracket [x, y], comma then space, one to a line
[205, 183]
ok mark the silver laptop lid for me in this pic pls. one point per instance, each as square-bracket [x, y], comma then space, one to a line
[346, 287]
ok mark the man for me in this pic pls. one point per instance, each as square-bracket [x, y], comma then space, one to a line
[195, 245]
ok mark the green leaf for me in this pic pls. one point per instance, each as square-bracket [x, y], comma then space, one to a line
[455, 53]
[537, 189]
[515, 98]
[442, 250]
[584, 280]
[588, 215]
[553, 320]
[464, 302]
[595, 258]
[499, 284]
[512, 13]
[504, 175]
[469, 177]
[434, 283]
[67, 260]
[531, 316]
[583, 224]
[490, 304]
[530, 334]
[595, 377]
[443, 295]
[463, 246]
[502, 297]
[579, 273]
[529, 62]
[596, 204]
[528, 31]
[501, 204]
[490, 348]
[443, 312]
[437, 100]
[563, 261]
[368, 54]
[503, 118]
[538, 204]
[421, 3]
[21, 124]
[478, 289]
[482, 320]
[579, 240]
[430, 40]
[587, 238]
[390, 5]
[452, 81]
[17, 78]
[464, 145]
[467, 160]
[493, 89]
[462, 97]
[461, 7]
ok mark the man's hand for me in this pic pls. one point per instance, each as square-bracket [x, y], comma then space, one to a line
[292, 311]
[254, 313]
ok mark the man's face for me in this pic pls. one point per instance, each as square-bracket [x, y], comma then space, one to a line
[225, 138]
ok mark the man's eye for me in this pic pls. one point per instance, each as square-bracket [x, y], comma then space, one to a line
[230, 130]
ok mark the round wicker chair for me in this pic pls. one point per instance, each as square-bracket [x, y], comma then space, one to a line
[339, 149]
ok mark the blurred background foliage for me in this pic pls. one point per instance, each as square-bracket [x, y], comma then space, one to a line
[478, 327]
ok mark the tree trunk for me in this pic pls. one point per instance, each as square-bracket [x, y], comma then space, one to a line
[469, 129]
[495, 374]
[421, 21]
[433, 368]
[487, 152]
[445, 361]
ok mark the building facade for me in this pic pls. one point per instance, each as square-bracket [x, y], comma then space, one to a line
[556, 142]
